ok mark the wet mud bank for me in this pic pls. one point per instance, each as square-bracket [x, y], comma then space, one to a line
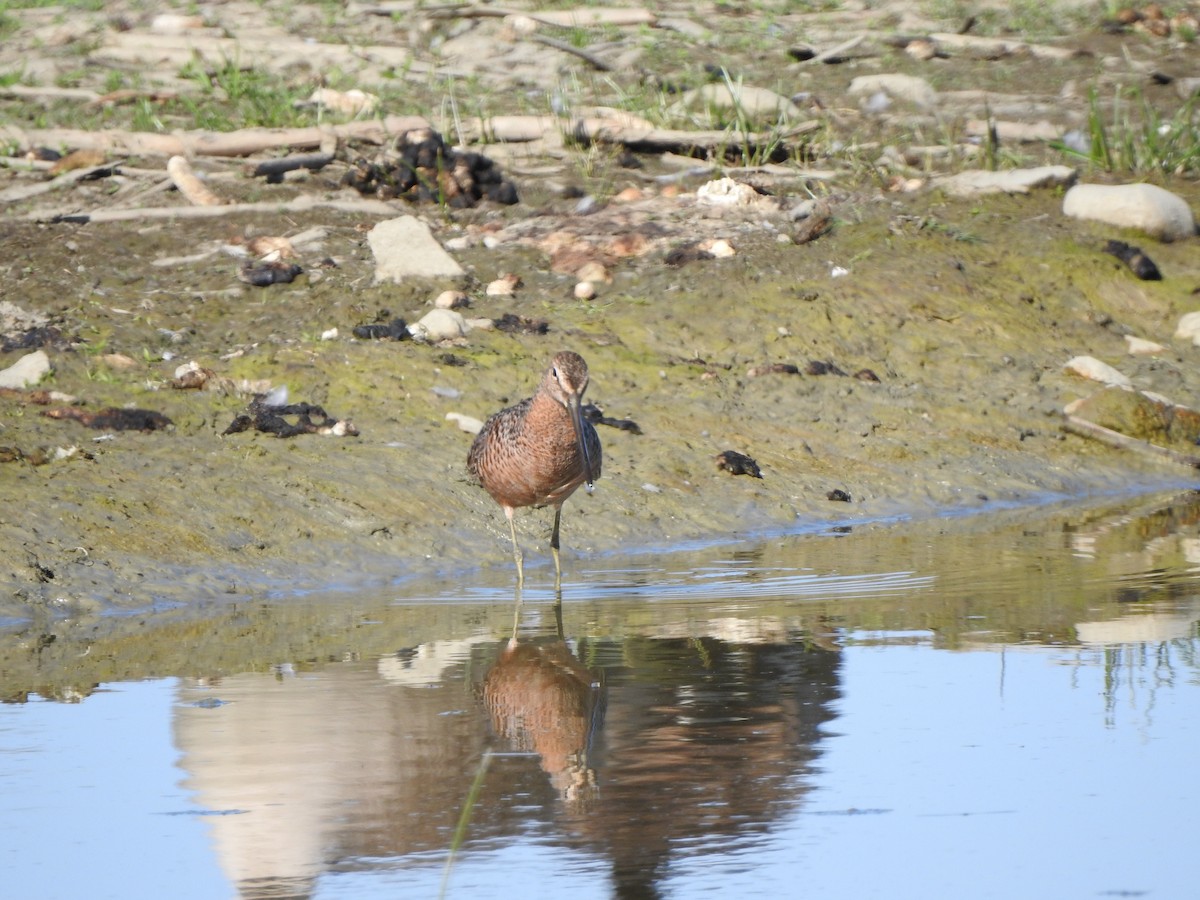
[967, 340]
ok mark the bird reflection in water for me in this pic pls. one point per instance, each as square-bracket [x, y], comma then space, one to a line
[543, 700]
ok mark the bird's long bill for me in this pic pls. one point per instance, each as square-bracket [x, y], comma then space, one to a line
[576, 411]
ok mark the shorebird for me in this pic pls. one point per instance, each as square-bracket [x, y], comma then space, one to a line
[537, 452]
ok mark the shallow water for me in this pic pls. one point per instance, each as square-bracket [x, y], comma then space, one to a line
[987, 707]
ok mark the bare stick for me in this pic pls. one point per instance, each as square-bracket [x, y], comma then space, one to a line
[591, 59]
[274, 169]
[207, 143]
[25, 191]
[1085, 428]
[366, 206]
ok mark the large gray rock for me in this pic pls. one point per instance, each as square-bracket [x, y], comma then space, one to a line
[1146, 207]
[404, 248]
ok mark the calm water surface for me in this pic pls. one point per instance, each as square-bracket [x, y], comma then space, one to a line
[1000, 707]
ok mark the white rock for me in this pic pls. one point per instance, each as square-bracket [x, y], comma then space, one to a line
[975, 182]
[1091, 368]
[501, 287]
[27, 370]
[469, 424]
[439, 325]
[719, 248]
[585, 290]
[1141, 347]
[1188, 328]
[452, 300]
[1147, 207]
[171, 23]
[405, 248]
[350, 103]
[187, 369]
[905, 88]
[725, 192]
[329, 334]
[481, 324]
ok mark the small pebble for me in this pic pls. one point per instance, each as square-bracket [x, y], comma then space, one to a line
[469, 424]
[1141, 347]
[452, 300]
[504, 286]
[585, 290]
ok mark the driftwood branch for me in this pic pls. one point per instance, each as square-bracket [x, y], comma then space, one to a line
[365, 206]
[627, 131]
[567, 18]
[590, 58]
[245, 142]
[25, 191]
[1084, 428]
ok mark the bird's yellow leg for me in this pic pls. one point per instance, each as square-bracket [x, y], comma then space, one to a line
[512, 529]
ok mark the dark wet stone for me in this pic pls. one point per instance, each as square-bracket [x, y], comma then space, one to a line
[822, 367]
[1139, 263]
[686, 254]
[395, 330]
[838, 496]
[262, 274]
[737, 464]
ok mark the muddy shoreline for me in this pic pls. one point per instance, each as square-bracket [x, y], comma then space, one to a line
[968, 343]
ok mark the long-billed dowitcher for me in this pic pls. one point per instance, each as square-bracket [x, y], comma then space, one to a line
[539, 451]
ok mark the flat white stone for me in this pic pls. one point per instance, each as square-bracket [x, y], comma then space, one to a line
[405, 248]
[975, 182]
[1091, 368]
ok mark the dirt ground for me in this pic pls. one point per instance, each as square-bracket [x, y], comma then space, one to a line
[965, 311]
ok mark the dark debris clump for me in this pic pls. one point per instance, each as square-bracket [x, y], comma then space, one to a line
[421, 168]
[512, 324]
[33, 338]
[112, 418]
[289, 421]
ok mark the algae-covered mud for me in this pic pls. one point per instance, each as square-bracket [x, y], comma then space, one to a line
[964, 311]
